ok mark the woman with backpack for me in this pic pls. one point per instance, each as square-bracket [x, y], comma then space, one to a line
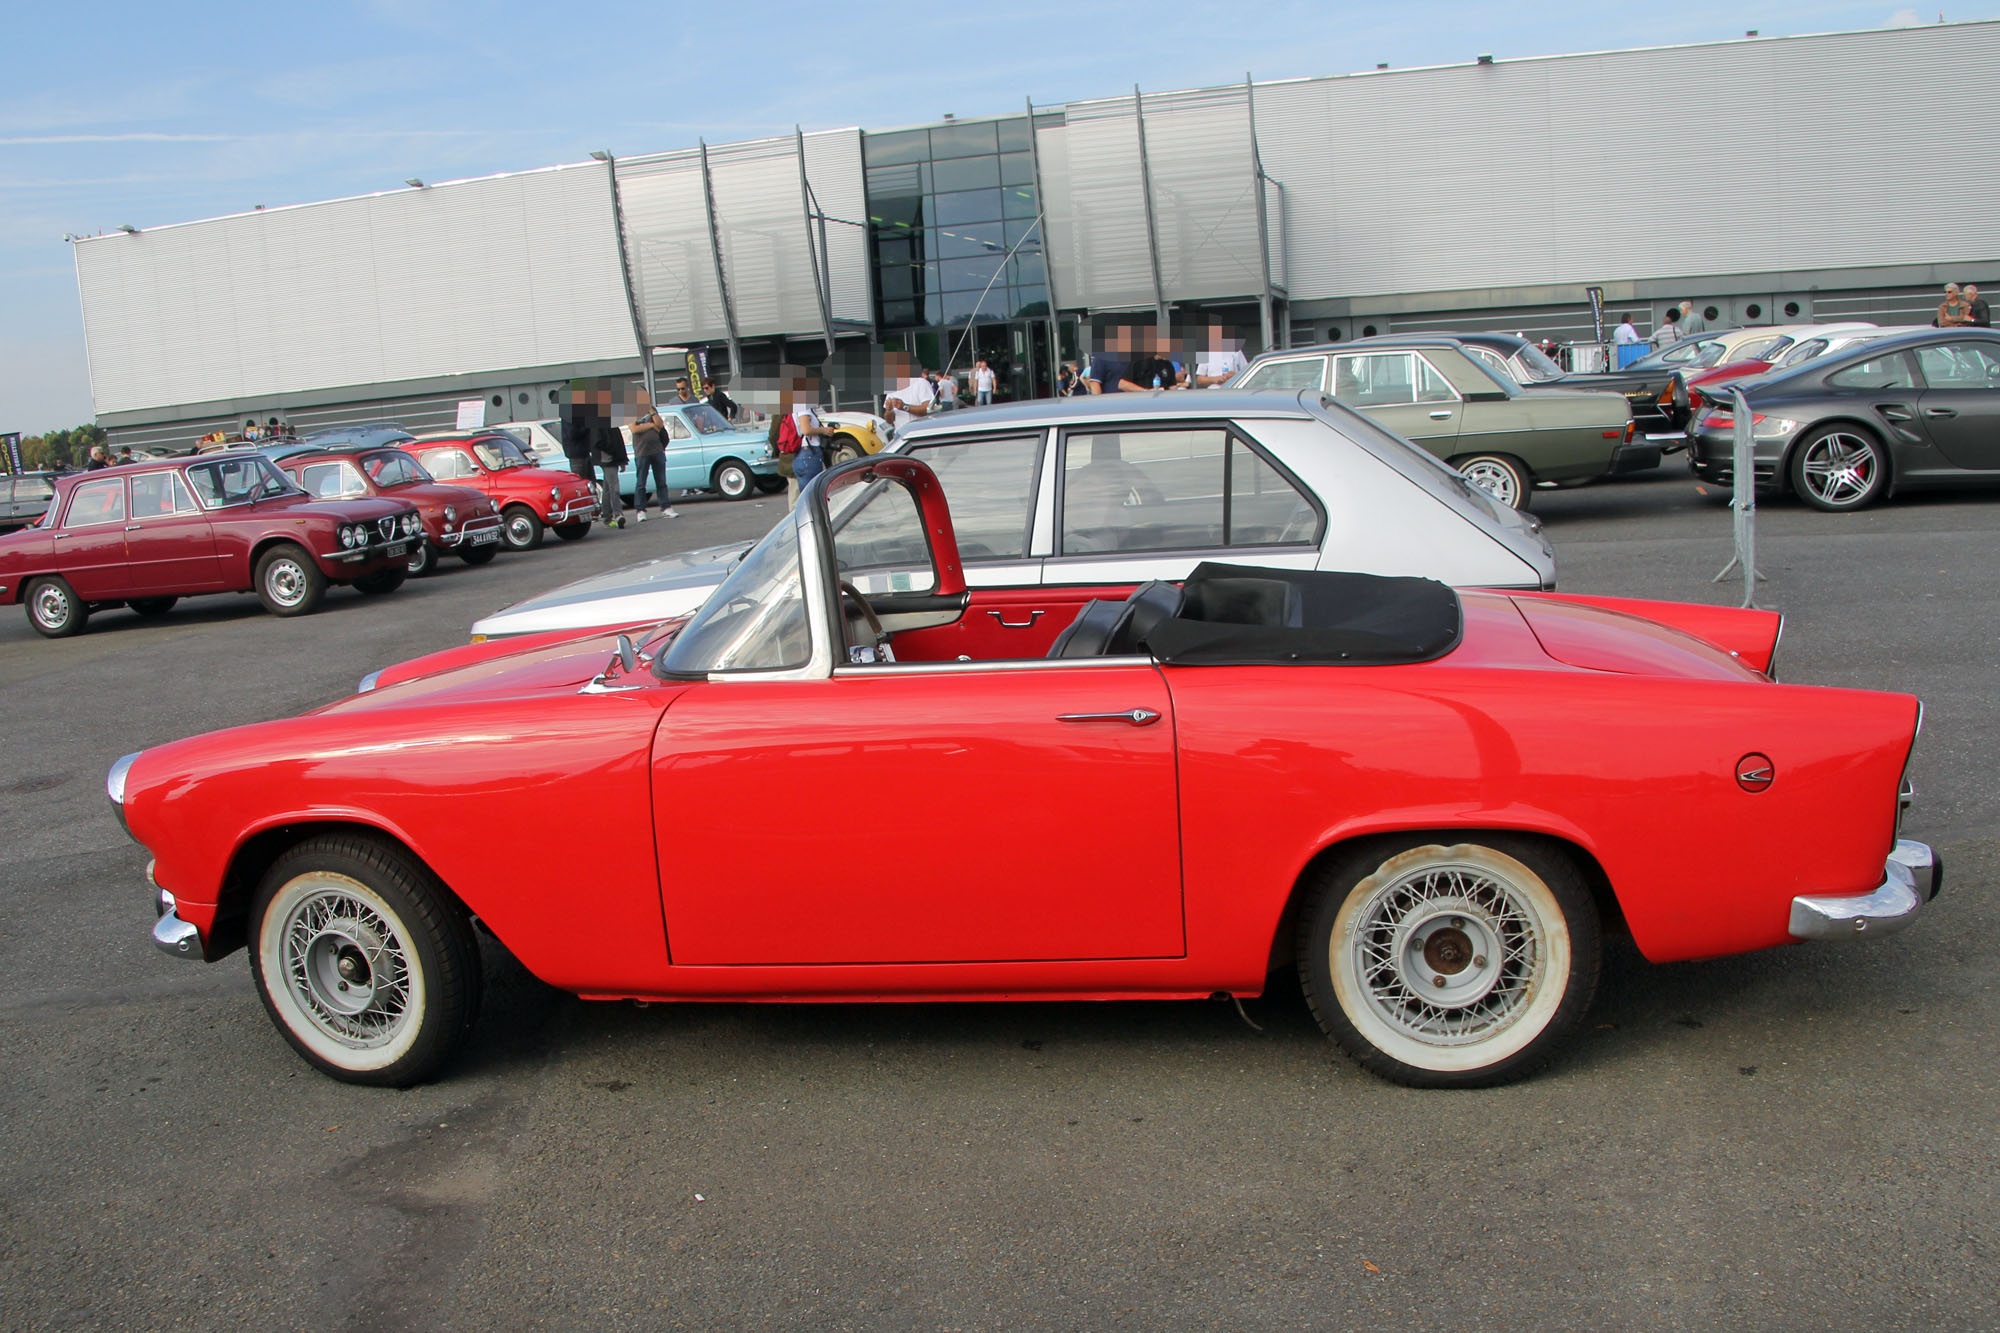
[797, 432]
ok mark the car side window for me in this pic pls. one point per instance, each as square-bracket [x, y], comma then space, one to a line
[1494, 362]
[1264, 507]
[448, 464]
[677, 429]
[94, 502]
[1758, 349]
[1803, 353]
[1959, 366]
[990, 485]
[1375, 379]
[879, 541]
[155, 494]
[1880, 372]
[1432, 386]
[1298, 373]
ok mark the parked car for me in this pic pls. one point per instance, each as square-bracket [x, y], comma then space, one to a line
[1039, 515]
[855, 434]
[1688, 390]
[1843, 430]
[24, 498]
[530, 497]
[1434, 803]
[457, 519]
[1646, 380]
[147, 534]
[1432, 391]
[1511, 355]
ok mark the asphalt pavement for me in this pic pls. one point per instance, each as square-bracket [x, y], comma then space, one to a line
[1799, 1138]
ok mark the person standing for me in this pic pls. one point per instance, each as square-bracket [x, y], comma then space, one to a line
[983, 381]
[682, 394]
[98, 461]
[947, 392]
[649, 451]
[721, 401]
[1977, 314]
[1626, 335]
[579, 443]
[909, 395]
[1691, 323]
[1669, 332]
[1220, 361]
[1952, 312]
[609, 445]
[799, 399]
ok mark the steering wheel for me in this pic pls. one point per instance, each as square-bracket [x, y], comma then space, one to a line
[848, 590]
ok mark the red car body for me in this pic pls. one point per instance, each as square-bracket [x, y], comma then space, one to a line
[1684, 394]
[1079, 826]
[457, 519]
[529, 497]
[149, 533]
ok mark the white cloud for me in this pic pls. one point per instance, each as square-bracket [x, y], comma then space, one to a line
[1904, 18]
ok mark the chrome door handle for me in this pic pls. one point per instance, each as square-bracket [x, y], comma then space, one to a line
[1138, 717]
[132, 527]
[1939, 412]
[1441, 416]
[1001, 616]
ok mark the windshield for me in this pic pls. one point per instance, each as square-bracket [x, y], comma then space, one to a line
[756, 621]
[393, 467]
[1539, 366]
[234, 481]
[499, 452]
[705, 419]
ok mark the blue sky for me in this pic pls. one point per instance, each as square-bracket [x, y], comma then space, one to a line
[146, 114]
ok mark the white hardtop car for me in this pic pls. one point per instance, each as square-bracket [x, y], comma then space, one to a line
[1122, 488]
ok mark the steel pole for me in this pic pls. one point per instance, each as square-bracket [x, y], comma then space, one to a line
[721, 280]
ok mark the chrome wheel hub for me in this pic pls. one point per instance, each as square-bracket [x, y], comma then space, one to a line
[346, 969]
[286, 583]
[519, 530]
[51, 604]
[1495, 480]
[1839, 468]
[1448, 954]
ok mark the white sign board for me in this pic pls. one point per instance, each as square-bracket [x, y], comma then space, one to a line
[471, 414]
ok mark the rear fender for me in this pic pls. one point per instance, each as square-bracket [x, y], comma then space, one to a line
[1749, 635]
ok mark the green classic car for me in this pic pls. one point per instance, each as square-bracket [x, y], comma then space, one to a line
[1501, 437]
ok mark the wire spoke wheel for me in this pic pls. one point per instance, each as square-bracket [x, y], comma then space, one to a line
[346, 965]
[1443, 966]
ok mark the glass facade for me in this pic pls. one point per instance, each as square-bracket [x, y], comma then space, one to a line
[951, 225]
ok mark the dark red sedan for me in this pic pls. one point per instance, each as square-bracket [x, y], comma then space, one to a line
[457, 519]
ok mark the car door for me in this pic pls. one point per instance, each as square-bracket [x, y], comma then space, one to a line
[90, 544]
[1960, 402]
[1404, 392]
[169, 541]
[689, 458]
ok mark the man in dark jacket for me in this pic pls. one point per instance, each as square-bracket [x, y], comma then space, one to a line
[579, 445]
[609, 443]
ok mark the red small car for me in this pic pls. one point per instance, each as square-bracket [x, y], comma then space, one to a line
[457, 519]
[530, 497]
[149, 534]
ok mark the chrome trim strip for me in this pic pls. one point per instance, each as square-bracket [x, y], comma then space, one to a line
[1004, 664]
[114, 781]
[1908, 880]
[175, 936]
[369, 681]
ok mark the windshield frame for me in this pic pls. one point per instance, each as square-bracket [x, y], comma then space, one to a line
[810, 554]
[263, 492]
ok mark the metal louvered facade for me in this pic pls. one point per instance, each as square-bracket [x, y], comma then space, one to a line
[498, 275]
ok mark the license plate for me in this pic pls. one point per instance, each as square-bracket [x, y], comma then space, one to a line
[399, 548]
[486, 538]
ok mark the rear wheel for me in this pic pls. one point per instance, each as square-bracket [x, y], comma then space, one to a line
[479, 555]
[570, 532]
[1839, 467]
[1499, 476]
[387, 581]
[520, 528]
[53, 608]
[363, 960]
[734, 479]
[153, 606]
[423, 558]
[845, 449]
[1457, 965]
[288, 582]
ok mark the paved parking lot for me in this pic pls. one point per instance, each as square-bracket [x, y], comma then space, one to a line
[1798, 1138]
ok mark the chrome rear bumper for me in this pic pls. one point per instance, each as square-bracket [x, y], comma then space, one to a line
[1911, 877]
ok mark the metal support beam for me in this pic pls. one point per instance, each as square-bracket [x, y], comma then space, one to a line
[1152, 222]
[1048, 249]
[1264, 295]
[721, 280]
[639, 335]
[822, 269]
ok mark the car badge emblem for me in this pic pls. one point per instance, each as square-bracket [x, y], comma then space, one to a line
[1755, 772]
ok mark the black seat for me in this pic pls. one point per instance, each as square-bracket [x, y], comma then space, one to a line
[1239, 600]
[1090, 633]
[1149, 604]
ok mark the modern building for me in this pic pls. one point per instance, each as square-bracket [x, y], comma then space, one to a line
[1799, 178]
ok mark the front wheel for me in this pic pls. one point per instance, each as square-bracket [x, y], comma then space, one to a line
[288, 582]
[571, 532]
[479, 555]
[845, 450]
[1460, 965]
[423, 558]
[520, 528]
[1837, 468]
[53, 608]
[364, 961]
[1499, 476]
[735, 480]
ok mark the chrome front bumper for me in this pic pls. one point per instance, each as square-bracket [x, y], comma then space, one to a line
[170, 933]
[481, 531]
[1911, 877]
[585, 505]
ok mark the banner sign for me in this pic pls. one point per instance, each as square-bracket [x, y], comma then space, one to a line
[1597, 310]
[697, 365]
[471, 414]
[13, 442]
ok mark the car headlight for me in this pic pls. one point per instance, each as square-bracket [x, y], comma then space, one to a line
[451, 513]
[411, 523]
[555, 494]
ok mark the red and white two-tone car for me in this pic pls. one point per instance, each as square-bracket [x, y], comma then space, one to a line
[1435, 802]
[145, 535]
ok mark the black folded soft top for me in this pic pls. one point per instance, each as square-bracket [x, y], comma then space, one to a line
[1245, 615]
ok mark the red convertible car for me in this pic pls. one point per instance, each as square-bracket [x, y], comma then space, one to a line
[457, 519]
[1435, 803]
[148, 534]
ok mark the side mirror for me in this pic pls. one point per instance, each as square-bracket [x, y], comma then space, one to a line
[628, 656]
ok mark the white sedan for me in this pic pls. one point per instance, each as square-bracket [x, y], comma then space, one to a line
[1062, 496]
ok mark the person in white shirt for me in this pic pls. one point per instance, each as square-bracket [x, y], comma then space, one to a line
[947, 392]
[983, 380]
[1630, 346]
[800, 398]
[1222, 359]
[908, 394]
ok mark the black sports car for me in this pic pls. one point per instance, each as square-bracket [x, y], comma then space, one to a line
[1897, 413]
